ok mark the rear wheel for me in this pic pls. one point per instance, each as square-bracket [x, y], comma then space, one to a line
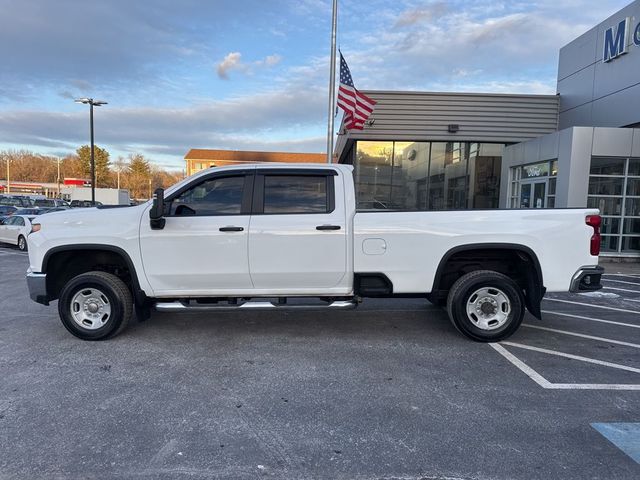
[22, 244]
[486, 306]
[95, 306]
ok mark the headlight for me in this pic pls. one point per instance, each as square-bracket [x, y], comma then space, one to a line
[35, 227]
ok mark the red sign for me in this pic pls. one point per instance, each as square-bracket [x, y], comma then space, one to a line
[78, 182]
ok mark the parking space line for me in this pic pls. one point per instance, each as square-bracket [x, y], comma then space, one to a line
[595, 386]
[624, 310]
[526, 369]
[573, 357]
[620, 281]
[621, 289]
[582, 335]
[581, 317]
[621, 275]
[546, 384]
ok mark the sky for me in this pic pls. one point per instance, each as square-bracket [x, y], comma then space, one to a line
[254, 74]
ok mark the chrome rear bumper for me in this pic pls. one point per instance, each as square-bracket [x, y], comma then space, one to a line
[587, 279]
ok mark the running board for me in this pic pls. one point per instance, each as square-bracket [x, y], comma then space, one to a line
[183, 306]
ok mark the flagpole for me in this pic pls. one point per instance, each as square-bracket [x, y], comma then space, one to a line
[332, 82]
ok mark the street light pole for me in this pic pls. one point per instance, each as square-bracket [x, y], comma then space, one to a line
[92, 103]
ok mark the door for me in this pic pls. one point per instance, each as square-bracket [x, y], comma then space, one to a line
[12, 229]
[5, 228]
[539, 189]
[298, 233]
[532, 194]
[202, 249]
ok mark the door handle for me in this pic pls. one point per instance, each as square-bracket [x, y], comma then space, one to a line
[231, 229]
[328, 227]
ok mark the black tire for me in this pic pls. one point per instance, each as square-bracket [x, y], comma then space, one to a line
[117, 297]
[460, 296]
[22, 243]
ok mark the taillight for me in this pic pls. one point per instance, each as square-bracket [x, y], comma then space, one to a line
[594, 221]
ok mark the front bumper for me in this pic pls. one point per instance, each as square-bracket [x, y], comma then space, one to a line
[587, 279]
[37, 283]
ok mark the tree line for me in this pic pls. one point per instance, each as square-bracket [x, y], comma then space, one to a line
[134, 173]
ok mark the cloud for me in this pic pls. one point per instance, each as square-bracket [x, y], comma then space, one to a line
[282, 118]
[230, 62]
[233, 61]
[271, 60]
[424, 13]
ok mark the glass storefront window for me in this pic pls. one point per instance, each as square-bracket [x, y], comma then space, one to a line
[427, 175]
[631, 244]
[634, 166]
[614, 188]
[534, 185]
[610, 225]
[633, 187]
[632, 225]
[609, 244]
[607, 166]
[607, 206]
[485, 162]
[605, 186]
[373, 174]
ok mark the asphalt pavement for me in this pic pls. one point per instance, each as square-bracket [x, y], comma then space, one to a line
[387, 391]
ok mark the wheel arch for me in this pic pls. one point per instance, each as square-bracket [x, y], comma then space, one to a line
[83, 253]
[532, 282]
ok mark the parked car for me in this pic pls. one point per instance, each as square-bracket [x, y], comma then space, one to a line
[235, 237]
[28, 211]
[84, 204]
[15, 230]
[7, 209]
[49, 203]
[19, 201]
[42, 211]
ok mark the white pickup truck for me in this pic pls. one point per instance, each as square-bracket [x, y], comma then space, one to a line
[289, 236]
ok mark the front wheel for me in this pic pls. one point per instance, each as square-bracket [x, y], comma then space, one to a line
[95, 306]
[486, 306]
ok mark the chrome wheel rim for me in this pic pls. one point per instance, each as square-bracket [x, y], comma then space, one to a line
[488, 308]
[90, 308]
[22, 243]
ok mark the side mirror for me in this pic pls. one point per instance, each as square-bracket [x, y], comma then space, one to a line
[156, 214]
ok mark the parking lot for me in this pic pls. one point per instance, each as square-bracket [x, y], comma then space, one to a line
[387, 391]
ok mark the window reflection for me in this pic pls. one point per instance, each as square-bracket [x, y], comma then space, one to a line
[295, 194]
[219, 196]
[427, 175]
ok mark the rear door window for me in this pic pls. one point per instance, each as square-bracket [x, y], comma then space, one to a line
[287, 194]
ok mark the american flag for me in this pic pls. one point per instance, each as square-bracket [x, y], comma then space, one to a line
[357, 106]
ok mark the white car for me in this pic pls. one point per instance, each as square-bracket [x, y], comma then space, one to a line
[15, 230]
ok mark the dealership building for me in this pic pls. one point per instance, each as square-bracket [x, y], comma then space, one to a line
[579, 148]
